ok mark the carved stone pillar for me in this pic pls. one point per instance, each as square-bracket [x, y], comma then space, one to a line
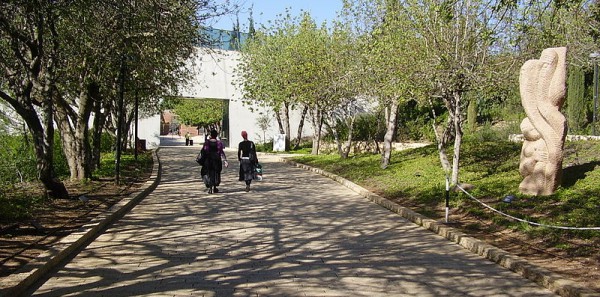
[542, 87]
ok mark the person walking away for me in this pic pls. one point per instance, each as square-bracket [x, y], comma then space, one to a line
[215, 157]
[201, 160]
[248, 160]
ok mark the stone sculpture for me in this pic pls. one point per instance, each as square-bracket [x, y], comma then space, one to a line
[542, 87]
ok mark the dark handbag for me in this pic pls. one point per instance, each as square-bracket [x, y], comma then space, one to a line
[201, 158]
[252, 154]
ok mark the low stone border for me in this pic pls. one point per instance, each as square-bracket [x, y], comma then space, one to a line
[550, 280]
[521, 138]
[20, 282]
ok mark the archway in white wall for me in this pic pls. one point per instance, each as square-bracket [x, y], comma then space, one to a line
[169, 118]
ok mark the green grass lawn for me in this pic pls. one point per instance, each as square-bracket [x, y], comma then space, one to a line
[415, 179]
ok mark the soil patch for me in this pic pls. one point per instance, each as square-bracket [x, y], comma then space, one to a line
[582, 268]
[23, 240]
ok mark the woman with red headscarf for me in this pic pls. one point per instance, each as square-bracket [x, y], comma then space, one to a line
[248, 160]
[215, 157]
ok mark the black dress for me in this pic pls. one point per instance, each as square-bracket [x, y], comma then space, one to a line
[248, 160]
[213, 164]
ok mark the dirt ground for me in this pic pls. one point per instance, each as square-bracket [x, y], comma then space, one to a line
[584, 269]
[22, 241]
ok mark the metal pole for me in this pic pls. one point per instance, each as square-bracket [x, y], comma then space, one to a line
[595, 118]
[447, 198]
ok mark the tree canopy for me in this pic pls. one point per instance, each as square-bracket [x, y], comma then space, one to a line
[446, 55]
[64, 61]
[204, 113]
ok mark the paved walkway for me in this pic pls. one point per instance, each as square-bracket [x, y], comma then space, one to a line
[296, 233]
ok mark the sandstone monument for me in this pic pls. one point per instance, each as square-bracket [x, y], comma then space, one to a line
[542, 88]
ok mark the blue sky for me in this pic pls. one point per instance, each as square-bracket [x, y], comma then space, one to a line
[265, 10]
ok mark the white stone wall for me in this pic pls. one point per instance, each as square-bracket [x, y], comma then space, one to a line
[213, 78]
[149, 129]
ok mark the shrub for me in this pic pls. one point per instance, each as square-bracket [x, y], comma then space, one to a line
[17, 159]
[265, 147]
[107, 143]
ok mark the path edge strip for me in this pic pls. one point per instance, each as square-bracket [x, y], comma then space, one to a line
[21, 281]
[548, 279]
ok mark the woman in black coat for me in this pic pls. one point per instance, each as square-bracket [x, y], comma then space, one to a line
[213, 162]
[248, 160]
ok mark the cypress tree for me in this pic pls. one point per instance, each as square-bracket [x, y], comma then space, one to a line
[472, 115]
[576, 110]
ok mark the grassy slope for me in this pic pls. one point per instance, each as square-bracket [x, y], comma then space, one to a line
[415, 179]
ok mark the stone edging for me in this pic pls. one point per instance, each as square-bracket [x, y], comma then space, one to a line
[550, 280]
[21, 281]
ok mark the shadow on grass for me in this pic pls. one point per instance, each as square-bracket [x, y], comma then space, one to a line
[574, 173]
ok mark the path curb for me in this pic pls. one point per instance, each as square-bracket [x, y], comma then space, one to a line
[21, 281]
[550, 280]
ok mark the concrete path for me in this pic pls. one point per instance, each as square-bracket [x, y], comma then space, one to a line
[296, 233]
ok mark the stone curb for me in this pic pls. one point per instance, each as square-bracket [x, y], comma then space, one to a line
[20, 282]
[550, 280]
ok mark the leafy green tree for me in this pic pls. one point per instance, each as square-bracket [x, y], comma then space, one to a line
[576, 107]
[263, 121]
[308, 72]
[472, 115]
[82, 46]
[542, 24]
[148, 58]
[263, 74]
[66, 60]
[205, 113]
[461, 39]
[393, 50]
[342, 86]
[321, 71]
[295, 65]
[28, 53]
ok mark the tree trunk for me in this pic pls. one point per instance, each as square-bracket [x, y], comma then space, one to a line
[74, 150]
[74, 131]
[317, 122]
[279, 122]
[348, 145]
[442, 139]
[457, 122]
[283, 119]
[391, 115]
[44, 145]
[336, 137]
[43, 142]
[127, 134]
[34, 75]
[98, 129]
[300, 127]
[286, 122]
